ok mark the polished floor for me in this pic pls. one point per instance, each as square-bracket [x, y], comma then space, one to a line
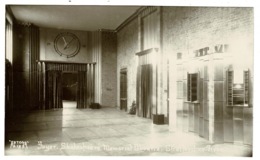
[104, 132]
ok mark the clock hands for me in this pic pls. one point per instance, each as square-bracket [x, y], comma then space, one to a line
[64, 41]
[67, 46]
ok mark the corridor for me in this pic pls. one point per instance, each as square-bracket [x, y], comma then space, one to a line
[104, 132]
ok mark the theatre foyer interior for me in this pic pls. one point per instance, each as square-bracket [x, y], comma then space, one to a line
[128, 80]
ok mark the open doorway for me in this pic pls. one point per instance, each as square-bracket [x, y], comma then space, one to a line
[69, 89]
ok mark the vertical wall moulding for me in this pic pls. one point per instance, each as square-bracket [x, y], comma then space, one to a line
[185, 115]
[218, 98]
[9, 40]
[96, 57]
[162, 64]
[33, 57]
[99, 71]
[205, 99]
[211, 97]
[179, 93]
[139, 44]
[173, 93]
[165, 62]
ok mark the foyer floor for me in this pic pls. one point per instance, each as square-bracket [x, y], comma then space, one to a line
[104, 132]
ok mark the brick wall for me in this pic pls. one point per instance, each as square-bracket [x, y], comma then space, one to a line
[127, 46]
[109, 77]
[186, 29]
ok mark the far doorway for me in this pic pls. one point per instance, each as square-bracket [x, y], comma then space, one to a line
[69, 89]
[123, 89]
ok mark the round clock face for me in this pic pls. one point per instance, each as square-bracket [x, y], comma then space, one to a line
[67, 44]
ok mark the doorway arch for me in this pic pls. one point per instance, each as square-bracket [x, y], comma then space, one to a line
[51, 87]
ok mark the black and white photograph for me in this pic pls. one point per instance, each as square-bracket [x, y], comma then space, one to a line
[128, 80]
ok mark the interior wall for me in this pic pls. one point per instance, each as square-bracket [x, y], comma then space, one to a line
[141, 33]
[21, 68]
[47, 51]
[96, 46]
[127, 46]
[187, 29]
[192, 28]
[109, 64]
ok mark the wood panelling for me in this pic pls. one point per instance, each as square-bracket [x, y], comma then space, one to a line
[219, 89]
[179, 90]
[248, 125]
[206, 110]
[34, 42]
[238, 125]
[185, 117]
[196, 117]
[184, 90]
[206, 129]
[201, 127]
[181, 33]
[218, 132]
[228, 124]
[179, 119]
[26, 52]
[218, 111]
[206, 74]
[191, 117]
[205, 91]
[238, 131]
[218, 70]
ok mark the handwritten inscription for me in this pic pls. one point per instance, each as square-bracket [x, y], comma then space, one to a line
[130, 147]
[19, 144]
[46, 147]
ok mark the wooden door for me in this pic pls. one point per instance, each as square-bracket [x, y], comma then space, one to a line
[123, 89]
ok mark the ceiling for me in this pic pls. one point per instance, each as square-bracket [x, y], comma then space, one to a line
[75, 17]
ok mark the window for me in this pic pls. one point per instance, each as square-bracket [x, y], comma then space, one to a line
[192, 86]
[9, 40]
[237, 93]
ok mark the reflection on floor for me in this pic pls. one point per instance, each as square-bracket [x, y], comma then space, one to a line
[104, 132]
[69, 104]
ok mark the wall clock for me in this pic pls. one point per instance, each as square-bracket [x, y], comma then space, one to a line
[67, 44]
